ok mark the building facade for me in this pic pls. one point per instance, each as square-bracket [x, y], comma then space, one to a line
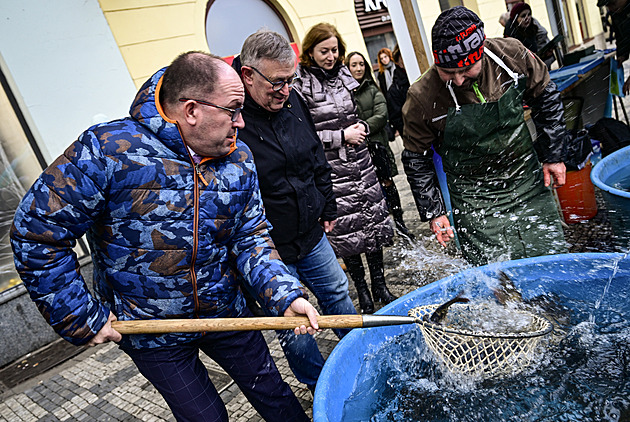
[65, 65]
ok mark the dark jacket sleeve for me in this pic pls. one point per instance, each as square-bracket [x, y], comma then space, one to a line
[424, 184]
[256, 258]
[548, 117]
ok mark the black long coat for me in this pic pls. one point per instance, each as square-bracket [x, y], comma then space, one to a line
[295, 178]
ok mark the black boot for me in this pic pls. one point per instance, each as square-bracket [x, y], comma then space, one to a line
[380, 292]
[365, 299]
[401, 228]
[393, 203]
[354, 264]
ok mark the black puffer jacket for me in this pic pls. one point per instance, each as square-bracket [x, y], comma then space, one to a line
[621, 29]
[294, 175]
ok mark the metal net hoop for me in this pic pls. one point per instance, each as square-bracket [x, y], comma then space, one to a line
[481, 353]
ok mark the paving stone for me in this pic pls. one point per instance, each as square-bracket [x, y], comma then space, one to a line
[48, 418]
[61, 413]
[82, 417]
[47, 404]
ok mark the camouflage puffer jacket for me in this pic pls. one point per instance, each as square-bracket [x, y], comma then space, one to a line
[166, 240]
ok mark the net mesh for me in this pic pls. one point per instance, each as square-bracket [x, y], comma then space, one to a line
[479, 353]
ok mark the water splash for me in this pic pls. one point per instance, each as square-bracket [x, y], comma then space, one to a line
[582, 375]
[424, 261]
[610, 279]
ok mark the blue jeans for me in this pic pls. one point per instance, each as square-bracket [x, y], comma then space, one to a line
[320, 272]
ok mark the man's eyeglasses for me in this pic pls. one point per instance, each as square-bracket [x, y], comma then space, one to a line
[278, 85]
[234, 111]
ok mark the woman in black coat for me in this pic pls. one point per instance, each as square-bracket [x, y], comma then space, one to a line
[397, 93]
[528, 30]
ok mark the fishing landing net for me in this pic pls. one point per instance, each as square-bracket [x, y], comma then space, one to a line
[479, 352]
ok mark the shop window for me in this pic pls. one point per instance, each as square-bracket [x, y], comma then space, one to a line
[376, 42]
[447, 4]
[376, 27]
[227, 26]
[21, 162]
[582, 21]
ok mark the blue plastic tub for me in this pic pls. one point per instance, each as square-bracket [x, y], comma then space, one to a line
[607, 172]
[582, 276]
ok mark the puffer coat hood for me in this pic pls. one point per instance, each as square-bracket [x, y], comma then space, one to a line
[168, 237]
[363, 223]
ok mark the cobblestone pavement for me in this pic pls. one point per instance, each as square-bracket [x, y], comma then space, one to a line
[102, 384]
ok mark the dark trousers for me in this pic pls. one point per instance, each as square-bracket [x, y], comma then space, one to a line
[179, 375]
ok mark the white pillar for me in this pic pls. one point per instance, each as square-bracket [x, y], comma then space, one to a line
[405, 41]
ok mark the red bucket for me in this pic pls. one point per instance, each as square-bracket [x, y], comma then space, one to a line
[577, 196]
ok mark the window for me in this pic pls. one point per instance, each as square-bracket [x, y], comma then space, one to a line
[227, 26]
[447, 4]
[376, 42]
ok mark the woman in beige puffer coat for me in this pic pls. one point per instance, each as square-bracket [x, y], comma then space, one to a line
[363, 224]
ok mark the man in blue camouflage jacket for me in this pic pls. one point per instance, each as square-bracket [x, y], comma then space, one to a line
[170, 203]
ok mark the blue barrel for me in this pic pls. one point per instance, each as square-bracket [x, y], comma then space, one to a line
[612, 176]
[581, 276]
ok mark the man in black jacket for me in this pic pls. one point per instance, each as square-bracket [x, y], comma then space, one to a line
[620, 15]
[295, 184]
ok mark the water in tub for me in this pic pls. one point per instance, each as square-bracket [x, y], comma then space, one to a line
[581, 373]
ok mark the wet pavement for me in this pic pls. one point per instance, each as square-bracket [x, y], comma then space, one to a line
[102, 384]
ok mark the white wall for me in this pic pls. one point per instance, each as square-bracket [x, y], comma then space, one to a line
[64, 67]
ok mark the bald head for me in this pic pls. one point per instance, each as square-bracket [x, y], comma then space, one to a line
[204, 95]
[191, 75]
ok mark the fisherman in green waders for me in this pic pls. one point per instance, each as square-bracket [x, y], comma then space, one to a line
[469, 107]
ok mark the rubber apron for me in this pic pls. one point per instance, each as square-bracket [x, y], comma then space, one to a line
[501, 208]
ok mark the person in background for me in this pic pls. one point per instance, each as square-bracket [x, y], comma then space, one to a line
[363, 223]
[620, 16]
[372, 108]
[469, 107]
[397, 92]
[528, 30]
[385, 73]
[169, 200]
[295, 184]
[504, 18]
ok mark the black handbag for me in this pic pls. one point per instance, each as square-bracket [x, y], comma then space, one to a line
[579, 149]
[391, 133]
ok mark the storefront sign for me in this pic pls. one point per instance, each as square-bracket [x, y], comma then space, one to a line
[374, 5]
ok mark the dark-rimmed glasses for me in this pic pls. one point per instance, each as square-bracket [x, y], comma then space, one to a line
[235, 112]
[278, 85]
